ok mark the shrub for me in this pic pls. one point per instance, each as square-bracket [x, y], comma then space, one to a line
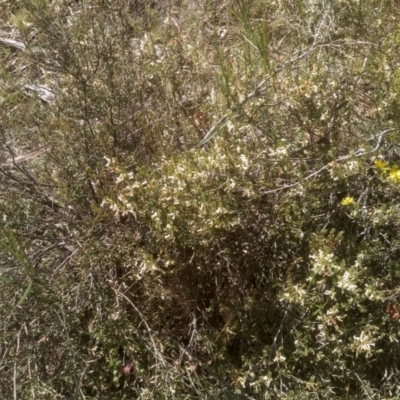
[217, 215]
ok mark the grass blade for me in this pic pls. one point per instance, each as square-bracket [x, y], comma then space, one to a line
[25, 294]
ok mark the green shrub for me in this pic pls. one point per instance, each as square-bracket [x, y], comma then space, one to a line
[217, 215]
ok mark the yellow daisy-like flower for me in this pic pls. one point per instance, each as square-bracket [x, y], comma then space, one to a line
[347, 201]
[380, 164]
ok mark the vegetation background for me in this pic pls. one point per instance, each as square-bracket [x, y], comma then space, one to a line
[218, 214]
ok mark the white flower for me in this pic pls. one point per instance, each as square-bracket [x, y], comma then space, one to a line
[245, 161]
[323, 262]
[121, 178]
[363, 343]
[279, 357]
[347, 282]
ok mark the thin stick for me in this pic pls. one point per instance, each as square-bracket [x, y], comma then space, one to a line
[149, 331]
[15, 381]
[343, 158]
[26, 156]
[12, 43]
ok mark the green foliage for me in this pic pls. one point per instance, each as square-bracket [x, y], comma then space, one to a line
[217, 216]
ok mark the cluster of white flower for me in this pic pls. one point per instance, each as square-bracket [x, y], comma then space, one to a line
[363, 344]
[348, 281]
[323, 263]
[297, 295]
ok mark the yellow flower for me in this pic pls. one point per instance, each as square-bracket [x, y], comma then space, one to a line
[394, 174]
[347, 201]
[380, 164]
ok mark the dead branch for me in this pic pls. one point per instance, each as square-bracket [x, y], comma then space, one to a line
[12, 43]
[26, 156]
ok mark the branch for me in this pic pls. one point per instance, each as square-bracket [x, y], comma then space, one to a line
[12, 161]
[359, 153]
[157, 352]
[45, 94]
[256, 92]
[12, 43]
[220, 381]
